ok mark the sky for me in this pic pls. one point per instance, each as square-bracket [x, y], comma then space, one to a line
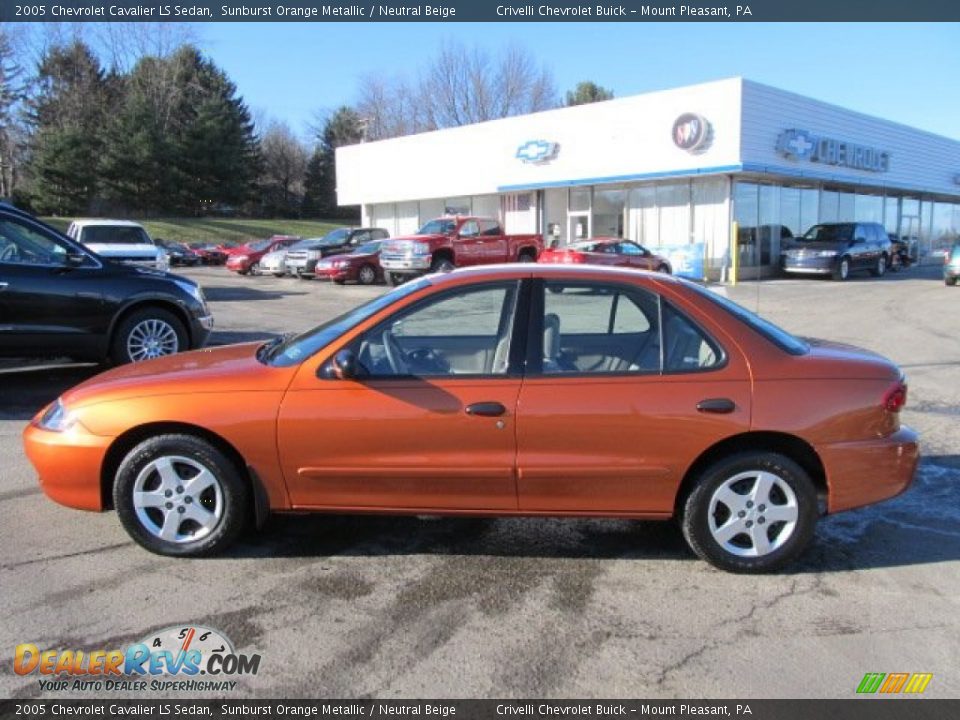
[906, 72]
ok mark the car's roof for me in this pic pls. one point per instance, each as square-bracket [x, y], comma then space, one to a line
[91, 222]
[506, 271]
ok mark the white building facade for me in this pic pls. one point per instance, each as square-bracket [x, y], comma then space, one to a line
[715, 166]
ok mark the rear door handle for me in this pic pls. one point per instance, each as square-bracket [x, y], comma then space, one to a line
[486, 409]
[720, 406]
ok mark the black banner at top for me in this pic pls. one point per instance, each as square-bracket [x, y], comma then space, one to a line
[478, 11]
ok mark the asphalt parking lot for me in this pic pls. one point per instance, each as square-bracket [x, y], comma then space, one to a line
[423, 607]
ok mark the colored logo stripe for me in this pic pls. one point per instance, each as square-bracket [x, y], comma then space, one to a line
[918, 682]
[913, 683]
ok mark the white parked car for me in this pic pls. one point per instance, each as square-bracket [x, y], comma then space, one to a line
[121, 241]
[274, 262]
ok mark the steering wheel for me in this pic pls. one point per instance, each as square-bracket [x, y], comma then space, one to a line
[10, 252]
[395, 355]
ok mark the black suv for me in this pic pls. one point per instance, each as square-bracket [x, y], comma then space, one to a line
[838, 249]
[59, 299]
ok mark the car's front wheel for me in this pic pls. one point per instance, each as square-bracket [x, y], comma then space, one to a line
[842, 270]
[751, 512]
[881, 267]
[147, 334]
[367, 275]
[179, 495]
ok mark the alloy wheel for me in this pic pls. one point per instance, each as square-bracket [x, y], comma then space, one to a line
[367, 275]
[177, 499]
[753, 513]
[151, 338]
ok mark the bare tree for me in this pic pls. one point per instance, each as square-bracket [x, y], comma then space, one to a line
[284, 159]
[122, 44]
[459, 86]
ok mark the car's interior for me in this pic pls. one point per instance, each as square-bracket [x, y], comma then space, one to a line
[587, 329]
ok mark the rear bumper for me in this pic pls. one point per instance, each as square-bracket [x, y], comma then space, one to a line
[68, 464]
[868, 471]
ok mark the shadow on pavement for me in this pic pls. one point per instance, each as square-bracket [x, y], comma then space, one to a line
[243, 294]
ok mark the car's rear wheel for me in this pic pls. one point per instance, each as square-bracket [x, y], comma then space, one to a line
[367, 275]
[751, 512]
[255, 269]
[179, 495]
[664, 269]
[396, 279]
[527, 256]
[146, 334]
[842, 270]
[441, 265]
[951, 281]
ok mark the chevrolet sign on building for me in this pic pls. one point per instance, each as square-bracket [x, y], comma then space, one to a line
[803, 145]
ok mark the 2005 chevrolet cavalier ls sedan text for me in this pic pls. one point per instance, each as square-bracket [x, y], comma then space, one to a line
[503, 390]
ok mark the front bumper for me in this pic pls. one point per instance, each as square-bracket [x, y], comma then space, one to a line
[68, 464]
[868, 471]
[200, 328]
[301, 266]
[808, 264]
[326, 272]
[407, 264]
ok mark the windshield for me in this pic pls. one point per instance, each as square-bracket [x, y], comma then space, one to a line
[259, 245]
[829, 233]
[337, 237]
[441, 226]
[115, 235]
[307, 244]
[777, 335]
[368, 248]
[297, 349]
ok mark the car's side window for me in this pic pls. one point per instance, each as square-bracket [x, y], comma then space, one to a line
[630, 249]
[360, 238]
[490, 228]
[685, 346]
[599, 329]
[469, 229]
[21, 244]
[460, 332]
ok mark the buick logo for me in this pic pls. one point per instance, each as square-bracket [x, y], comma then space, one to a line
[691, 132]
[537, 152]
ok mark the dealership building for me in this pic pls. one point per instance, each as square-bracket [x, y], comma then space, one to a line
[722, 165]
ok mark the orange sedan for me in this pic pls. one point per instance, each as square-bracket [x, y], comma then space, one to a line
[501, 390]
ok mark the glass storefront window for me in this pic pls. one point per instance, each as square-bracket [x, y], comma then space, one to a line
[846, 207]
[891, 214]
[644, 221]
[829, 206]
[770, 230]
[673, 200]
[457, 206]
[790, 210]
[868, 208]
[809, 209]
[579, 200]
[608, 212]
[746, 200]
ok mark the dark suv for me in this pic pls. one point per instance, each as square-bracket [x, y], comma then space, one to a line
[837, 249]
[58, 298]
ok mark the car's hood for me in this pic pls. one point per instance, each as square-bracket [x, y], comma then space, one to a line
[124, 249]
[226, 369]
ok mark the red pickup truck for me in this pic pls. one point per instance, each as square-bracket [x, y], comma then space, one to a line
[457, 241]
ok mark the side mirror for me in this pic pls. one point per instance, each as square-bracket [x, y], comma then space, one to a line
[75, 259]
[345, 365]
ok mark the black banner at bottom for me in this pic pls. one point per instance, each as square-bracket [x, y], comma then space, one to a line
[874, 707]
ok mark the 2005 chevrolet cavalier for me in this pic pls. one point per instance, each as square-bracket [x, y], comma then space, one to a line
[503, 390]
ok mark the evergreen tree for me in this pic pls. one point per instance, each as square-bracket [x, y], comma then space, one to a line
[66, 114]
[588, 92]
[343, 127]
[313, 186]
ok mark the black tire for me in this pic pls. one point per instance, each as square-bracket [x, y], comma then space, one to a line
[366, 275]
[665, 269]
[254, 269]
[881, 267]
[698, 516]
[231, 499]
[951, 281]
[279, 275]
[842, 270]
[340, 282]
[396, 279]
[124, 341]
[527, 256]
[442, 265]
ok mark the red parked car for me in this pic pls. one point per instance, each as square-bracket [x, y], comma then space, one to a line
[246, 258]
[362, 265]
[608, 251]
[211, 254]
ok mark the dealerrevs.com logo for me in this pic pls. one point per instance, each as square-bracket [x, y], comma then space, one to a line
[179, 658]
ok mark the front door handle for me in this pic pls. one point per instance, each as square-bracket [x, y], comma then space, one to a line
[720, 406]
[486, 409]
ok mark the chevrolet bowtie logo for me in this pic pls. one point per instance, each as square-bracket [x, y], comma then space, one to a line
[537, 152]
[795, 143]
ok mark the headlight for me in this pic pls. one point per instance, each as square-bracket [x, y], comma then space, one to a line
[57, 418]
[240, 258]
[421, 248]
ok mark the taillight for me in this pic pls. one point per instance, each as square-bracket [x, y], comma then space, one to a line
[573, 257]
[895, 398]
